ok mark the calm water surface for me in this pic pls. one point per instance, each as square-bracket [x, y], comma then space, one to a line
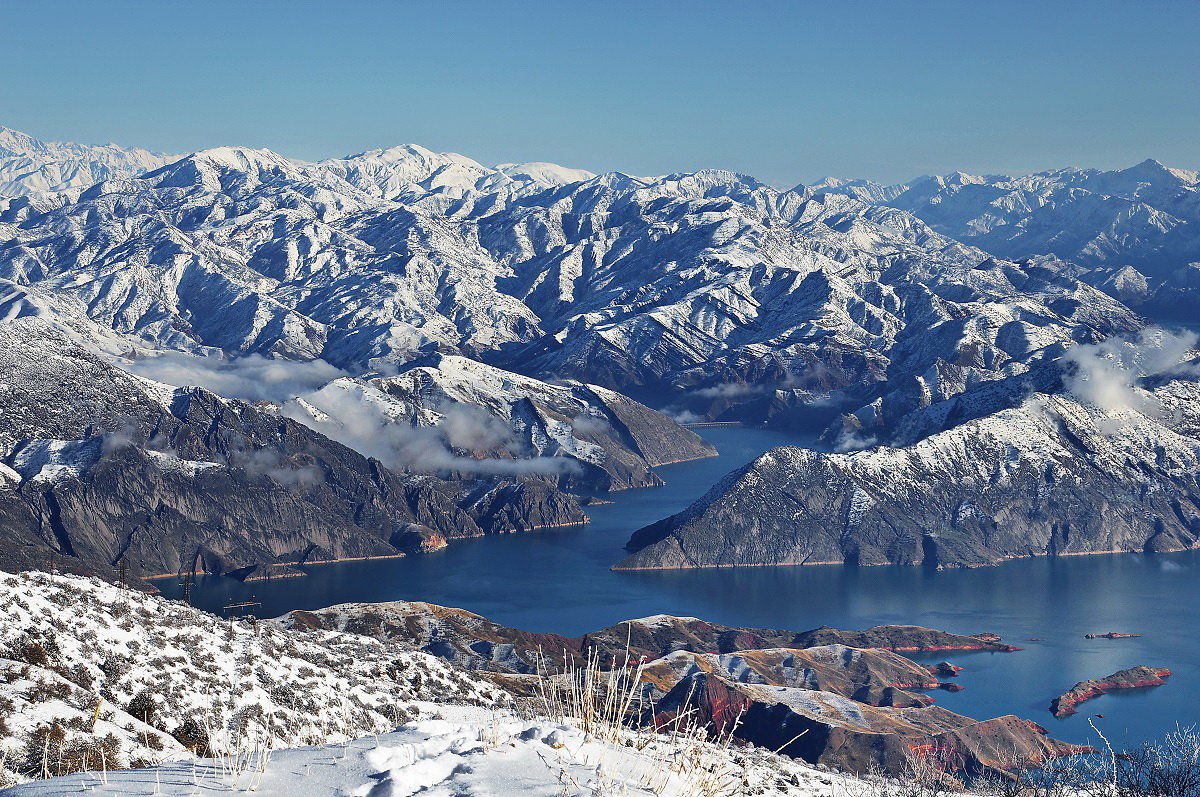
[560, 581]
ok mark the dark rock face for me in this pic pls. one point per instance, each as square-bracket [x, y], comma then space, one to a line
[1132, 678]
[1050, 477]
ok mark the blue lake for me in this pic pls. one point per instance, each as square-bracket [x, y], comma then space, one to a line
[560, 581]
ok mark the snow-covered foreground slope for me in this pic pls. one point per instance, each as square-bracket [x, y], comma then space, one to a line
[476, 752]
[95, 676]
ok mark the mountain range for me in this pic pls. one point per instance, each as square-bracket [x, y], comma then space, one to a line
[375, 354]
[1132, 231]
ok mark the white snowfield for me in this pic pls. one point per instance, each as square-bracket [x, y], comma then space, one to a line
[471, 751]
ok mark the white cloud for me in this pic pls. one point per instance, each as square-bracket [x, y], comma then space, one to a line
[354, 415]
[1106, 374]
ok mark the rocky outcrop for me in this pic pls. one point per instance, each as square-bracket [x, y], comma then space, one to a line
[825, 702]
[872, 677]
[945, 669]
[825, 726]
[1132, 678]
[473, 642]
[1054, 476]
[904, 638]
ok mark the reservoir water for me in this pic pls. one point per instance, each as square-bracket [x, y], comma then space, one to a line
[560, 581]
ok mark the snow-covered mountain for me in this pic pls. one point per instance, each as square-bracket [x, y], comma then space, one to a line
[702, 286]
[712, 291]
[1056, 475]
[33, 168]
[1126, 225]
[101, 467]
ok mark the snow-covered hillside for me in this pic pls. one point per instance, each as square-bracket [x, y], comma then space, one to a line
[1112, 468]
[96, 676]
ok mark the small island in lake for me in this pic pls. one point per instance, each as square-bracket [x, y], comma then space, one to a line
[1132, 678]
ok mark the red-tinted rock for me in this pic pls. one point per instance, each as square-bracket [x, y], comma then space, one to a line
[1132, 678]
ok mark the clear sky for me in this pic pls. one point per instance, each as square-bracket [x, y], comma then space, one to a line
[786, 91]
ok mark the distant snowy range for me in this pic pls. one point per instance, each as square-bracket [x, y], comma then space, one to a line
[232, 362]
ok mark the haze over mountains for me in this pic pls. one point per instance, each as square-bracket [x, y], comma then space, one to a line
[400, 347]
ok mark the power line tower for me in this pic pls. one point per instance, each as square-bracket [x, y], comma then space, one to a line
[185, 584]
[123, 573]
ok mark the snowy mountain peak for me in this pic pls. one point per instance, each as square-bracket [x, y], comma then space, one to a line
[549, 174]
[410, 152]
[1152, 170]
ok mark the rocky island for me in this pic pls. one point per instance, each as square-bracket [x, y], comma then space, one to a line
[1132, 678]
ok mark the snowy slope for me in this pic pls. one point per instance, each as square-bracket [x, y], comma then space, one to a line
[474, 752]
[101, 678]
[164, 677]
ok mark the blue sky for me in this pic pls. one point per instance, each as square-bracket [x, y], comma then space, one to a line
[787, 92]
